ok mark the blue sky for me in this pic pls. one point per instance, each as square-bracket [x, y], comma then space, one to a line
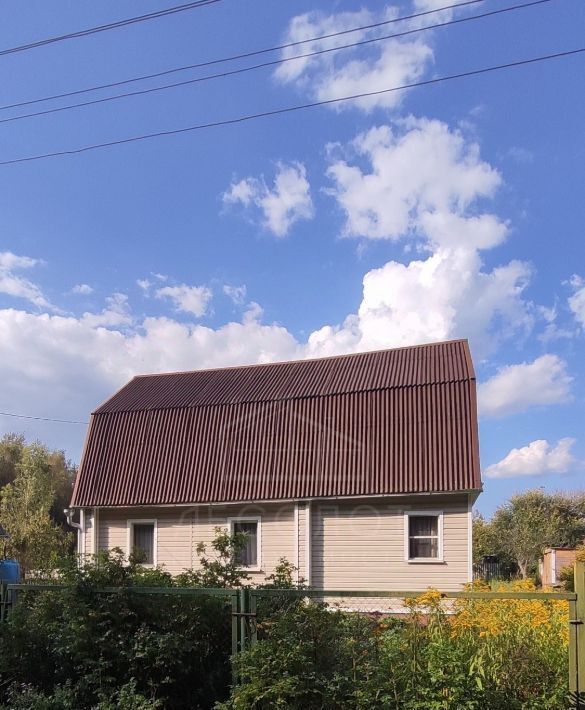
[453, 210]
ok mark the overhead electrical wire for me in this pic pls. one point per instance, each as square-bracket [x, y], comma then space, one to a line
[41, 419]
[244, 55]
[291, 109]
[273, 62]
[110, 26]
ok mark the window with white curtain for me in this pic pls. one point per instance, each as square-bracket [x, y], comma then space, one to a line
[142, 540]
[423, 537]
[249, 555]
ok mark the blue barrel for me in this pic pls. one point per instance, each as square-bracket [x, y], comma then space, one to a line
[9, 572]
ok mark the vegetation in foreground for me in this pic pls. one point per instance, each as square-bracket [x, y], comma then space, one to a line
[81, 649]
[501, 655]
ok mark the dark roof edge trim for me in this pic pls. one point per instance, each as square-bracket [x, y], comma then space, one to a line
[433, 494]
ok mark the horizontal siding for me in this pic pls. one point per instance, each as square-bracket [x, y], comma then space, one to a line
[180, 530]
[358, 545]
[361, 546]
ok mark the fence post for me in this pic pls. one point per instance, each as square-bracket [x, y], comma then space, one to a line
[244, 618]
[253, 618]
[577, 639]
[235, 622]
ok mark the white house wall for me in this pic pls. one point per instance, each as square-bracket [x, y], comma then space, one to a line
[357, 544]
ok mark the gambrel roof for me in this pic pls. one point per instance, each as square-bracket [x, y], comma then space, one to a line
[385, 422]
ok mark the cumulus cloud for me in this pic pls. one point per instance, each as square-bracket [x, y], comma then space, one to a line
[63, 366]
[516, 388]
[114, 315]
[190, 299]
[577, 300]
[536, 459]
[445, 296]
[421, 179]
[375, 67]
[82, 289]
[236, 293]
[287, 202]
[15, 285]
[421, 182]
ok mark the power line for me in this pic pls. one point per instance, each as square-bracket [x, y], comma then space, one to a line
[245, 55]
[291, 109]
[110, 26]
[274, 62]
[40, 419]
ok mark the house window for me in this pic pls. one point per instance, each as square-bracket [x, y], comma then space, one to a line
[142, 540]
[423, 537]
[249, 555]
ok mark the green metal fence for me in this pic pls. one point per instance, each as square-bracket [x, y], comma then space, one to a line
[244, 604]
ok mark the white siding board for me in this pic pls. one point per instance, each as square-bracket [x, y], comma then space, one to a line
[355, 544]
[361, 546]
[180, 530]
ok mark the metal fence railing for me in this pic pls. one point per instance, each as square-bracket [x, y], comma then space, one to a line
[492, 569]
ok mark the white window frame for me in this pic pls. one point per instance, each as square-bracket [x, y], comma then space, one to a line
[130, 535]
[250, 519]
[440, 552]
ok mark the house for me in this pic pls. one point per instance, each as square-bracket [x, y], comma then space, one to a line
[554, 560]
[359, 469]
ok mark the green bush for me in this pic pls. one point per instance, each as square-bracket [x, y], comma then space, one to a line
[489, 655]
[80, 648]
[76, 647]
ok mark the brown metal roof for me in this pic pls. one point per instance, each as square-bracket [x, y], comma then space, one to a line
[392, 421]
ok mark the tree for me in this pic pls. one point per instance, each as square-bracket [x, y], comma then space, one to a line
[531, 521]
[12, 449]
[34, 539]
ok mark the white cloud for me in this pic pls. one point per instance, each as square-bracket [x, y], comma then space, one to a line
[12, 284]
[82, 289]
[65, 366]
[236, 293]
[190, 299]
[422, 182]
[374, 67]
[287, 202]
[144, 285]
[516, 388]
[536, 459]
[422, 179]
[115, 314]
[445, 296]
[577, 300]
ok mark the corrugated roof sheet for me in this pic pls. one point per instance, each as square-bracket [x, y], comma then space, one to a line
[392, 421]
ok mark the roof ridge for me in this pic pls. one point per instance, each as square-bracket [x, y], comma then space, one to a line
[301, 360]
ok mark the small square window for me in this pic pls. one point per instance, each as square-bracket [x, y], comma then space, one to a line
[249, 555]
[424, 537]
[142, 542]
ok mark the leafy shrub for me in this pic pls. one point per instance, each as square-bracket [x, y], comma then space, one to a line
[76, 647]
[65, 698]
[80, 648]
[501, 655]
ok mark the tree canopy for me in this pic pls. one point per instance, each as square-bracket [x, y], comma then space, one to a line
[529, 522]
[35, 487]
